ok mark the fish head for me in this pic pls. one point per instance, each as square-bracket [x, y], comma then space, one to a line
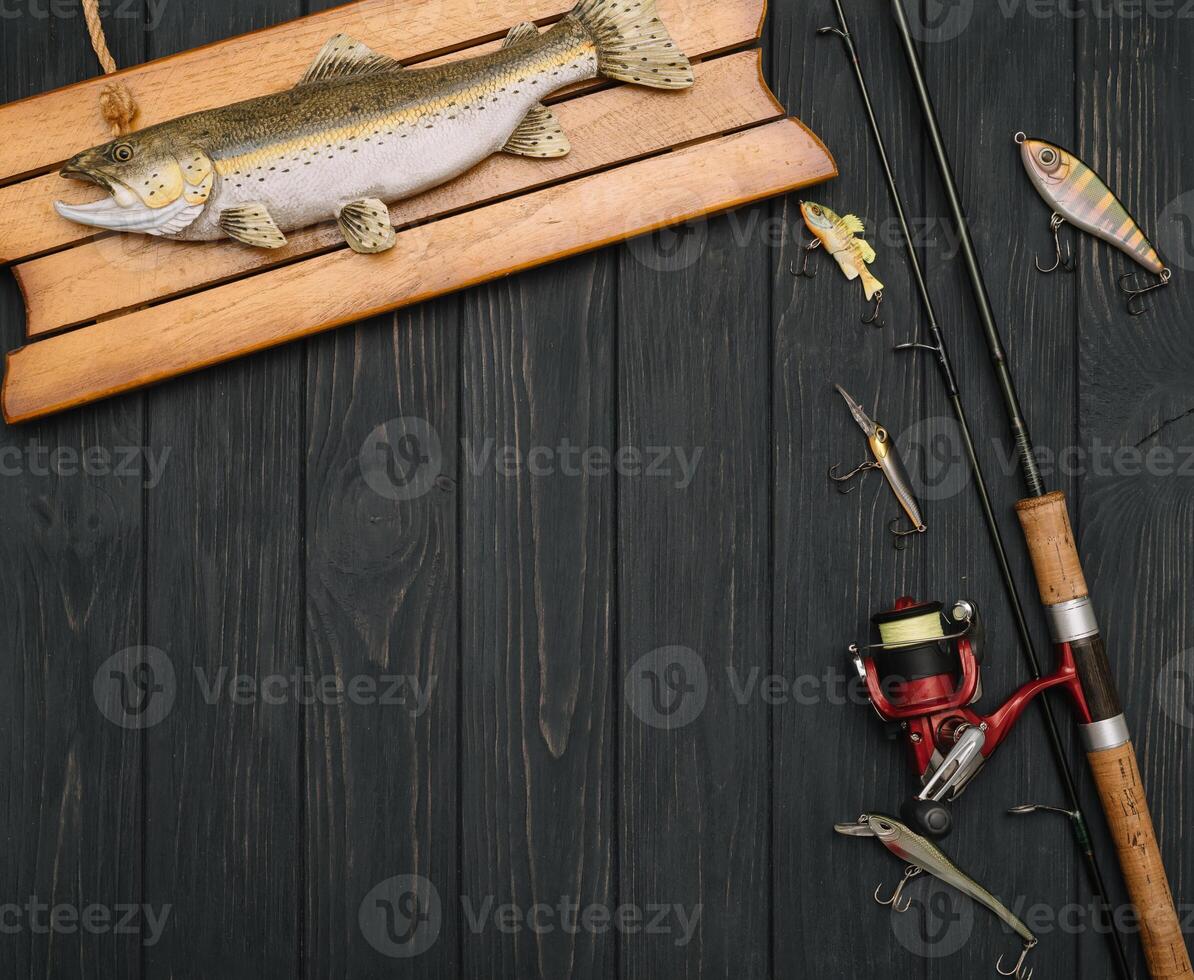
[818, 217]
[156, 184]
[871, 825]
[1047, 163]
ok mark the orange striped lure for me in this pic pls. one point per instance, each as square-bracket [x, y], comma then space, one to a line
[1079, 197]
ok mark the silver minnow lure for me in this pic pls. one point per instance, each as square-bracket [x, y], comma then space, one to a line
[360, 132]
[919, 853]
[887, 459]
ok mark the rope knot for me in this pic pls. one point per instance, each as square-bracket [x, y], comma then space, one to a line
[118, 106]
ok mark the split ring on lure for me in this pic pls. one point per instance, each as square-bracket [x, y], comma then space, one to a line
[1078, 196]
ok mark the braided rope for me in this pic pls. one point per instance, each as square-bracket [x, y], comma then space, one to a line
[117, 104]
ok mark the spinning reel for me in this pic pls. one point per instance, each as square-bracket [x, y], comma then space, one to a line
[923, 678]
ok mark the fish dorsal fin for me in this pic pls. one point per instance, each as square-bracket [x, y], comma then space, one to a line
[853, 224]
[539, 135]
[343, 57]
[521, 33]
[865, 250]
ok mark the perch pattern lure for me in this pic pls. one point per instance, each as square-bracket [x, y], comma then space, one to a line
[360, 132]
[921, 854]
[1078, 196]
[841, 238]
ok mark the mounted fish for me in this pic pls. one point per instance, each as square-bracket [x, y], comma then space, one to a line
[920, 855]
[840, 237]
[360, 132]
[1078, 196]
[886, 458]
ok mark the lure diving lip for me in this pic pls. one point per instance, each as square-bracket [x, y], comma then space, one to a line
[923, 855]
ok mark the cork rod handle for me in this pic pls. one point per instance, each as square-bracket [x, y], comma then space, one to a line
[1112, 759]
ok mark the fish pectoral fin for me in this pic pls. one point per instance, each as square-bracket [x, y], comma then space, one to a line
[344, 56]
[520, 33]
[853, 224]
[539, 135]
[366, 226]
[253, 225]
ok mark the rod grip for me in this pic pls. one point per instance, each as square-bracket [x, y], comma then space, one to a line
[1117, 776]
[1046, 523]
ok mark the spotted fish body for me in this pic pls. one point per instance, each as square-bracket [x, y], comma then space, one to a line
[840, 238]
[1075, 192]
[360, 132]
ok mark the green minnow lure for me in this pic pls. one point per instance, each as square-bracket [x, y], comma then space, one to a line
[1078, 196]
[885, 458]
[360, 132]
[921, 854]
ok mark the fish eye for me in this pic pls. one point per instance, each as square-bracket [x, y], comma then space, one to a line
[122, 153]
[1047, 156]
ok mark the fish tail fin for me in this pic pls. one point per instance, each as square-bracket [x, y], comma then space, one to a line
[633, 45]
[870, 283]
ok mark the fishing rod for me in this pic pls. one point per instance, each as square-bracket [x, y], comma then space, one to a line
[949, 379]
[1063, 590]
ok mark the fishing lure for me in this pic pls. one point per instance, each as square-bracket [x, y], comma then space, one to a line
[1077, 195]
[360, 132]
[841, 238]
[886, 458]
[923, 855]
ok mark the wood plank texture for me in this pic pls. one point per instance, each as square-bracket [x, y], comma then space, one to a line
[701, 28]
[48, 129]
[73, 588]
[1133, 514]
[276, 536]
[537, 774]
[285, 304]
[606, 128]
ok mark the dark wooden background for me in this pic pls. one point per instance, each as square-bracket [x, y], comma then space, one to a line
[528, 599]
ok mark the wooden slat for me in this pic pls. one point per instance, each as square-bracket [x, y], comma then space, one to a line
[44, 130]
[606, 128]
[32, 226]
[295, 301]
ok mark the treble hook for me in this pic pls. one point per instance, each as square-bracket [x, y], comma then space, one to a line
[901, 536]
[874, 317]
[909, 873]
[870, 464]
[1135, 292]
[1018, 970]
[808, 251]
[1066, 265]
